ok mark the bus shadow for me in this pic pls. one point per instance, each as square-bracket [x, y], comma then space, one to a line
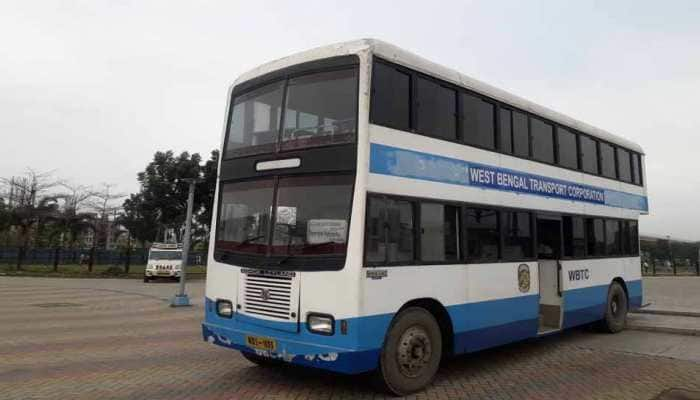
[468, 371]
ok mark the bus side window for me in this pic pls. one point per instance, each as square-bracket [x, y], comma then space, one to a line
[375, 246]
[482, 234]
[595, 233]
[574, 237]
[438, 232]
[634, 238]
[400, 237]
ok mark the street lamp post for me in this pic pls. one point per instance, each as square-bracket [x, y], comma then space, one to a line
[181, 299]
[670, 254]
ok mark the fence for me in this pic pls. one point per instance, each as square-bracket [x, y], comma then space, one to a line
[670, 268]
[45, 256]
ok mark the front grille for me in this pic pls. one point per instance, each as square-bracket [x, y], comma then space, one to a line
[268, 295]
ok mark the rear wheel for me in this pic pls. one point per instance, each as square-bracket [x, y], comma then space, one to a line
[616, 310]
[411, 353]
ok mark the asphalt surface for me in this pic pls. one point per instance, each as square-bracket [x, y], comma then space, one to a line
[119, 339]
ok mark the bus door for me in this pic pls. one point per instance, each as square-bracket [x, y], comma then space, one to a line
[549, 244]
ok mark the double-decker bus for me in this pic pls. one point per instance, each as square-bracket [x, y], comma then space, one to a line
[378, 212]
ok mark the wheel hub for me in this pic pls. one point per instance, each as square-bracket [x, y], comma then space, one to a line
[615, 305]
[414, 351]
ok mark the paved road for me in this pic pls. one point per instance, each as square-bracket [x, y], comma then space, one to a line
[673, 293]
[118, 339]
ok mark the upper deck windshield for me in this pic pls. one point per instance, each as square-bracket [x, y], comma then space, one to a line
[308, 110]
[278, 220]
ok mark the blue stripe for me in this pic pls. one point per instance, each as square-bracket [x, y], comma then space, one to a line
[393, 161]
[476, 326]
[585, 305]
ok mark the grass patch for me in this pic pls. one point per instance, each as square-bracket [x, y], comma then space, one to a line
[81, 271]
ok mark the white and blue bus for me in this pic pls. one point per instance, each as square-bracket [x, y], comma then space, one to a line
[378, 212]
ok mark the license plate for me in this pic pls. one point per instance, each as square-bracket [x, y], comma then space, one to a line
[261, 343]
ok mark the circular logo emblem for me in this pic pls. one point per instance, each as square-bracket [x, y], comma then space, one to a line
[524, 278]
[265, 294]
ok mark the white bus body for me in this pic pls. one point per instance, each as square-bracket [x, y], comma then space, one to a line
[265, 304]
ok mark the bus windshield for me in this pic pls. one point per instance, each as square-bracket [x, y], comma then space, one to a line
[311, 110]
[165, 255]
[309, 216]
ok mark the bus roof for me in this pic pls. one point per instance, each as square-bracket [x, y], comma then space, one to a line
[397, 55]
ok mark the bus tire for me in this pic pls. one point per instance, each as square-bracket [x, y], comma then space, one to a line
[615, 310]
[146, 279]
[411, 353]
[260, 360]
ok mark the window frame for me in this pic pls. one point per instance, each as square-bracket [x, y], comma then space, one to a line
[494, 120]
[462, 239]
[553, 134]
[613, 147]
[533, 234]
[285, 76]
[498, 107]
[557, 152]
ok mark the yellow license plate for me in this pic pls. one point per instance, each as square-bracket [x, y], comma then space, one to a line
[261, 343]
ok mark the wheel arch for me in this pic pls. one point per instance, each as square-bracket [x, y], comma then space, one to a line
[442, 317]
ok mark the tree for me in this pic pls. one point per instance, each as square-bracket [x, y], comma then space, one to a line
[163, 194]
[4, 216]
[72, 219]
[29, 204]
[103, 204]
[139, 218]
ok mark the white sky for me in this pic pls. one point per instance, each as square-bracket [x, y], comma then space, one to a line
[93, 88]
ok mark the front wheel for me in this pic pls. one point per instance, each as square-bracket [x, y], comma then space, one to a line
[411, 353]
[146, 279]
[616, 310]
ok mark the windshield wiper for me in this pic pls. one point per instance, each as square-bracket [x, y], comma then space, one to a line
[249, 240]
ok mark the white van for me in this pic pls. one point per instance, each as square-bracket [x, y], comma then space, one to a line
[164, 261]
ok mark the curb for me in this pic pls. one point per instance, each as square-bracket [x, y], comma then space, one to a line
[663, 329]
[667, 312]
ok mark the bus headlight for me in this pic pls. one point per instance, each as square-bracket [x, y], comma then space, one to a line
[321, 323]
[224, 308]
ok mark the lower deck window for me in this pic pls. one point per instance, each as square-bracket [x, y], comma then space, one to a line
[574, 237]
[482, 233]
[517, 235]
[438, 232]
[595, 233]
[411, 231]
[389, 231]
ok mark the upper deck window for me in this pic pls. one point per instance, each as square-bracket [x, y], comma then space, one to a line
[255, 121]
[414, 101]
[637, 168]
[542, 141]
[521, 137]
[436, 109]
[589, 155]
[624, 165]
[566, 143]
[505, 138]
[607, 161]
[478, 122]
[391, 97]
[319, 109]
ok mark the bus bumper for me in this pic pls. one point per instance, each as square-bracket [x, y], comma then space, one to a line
[337, 359]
